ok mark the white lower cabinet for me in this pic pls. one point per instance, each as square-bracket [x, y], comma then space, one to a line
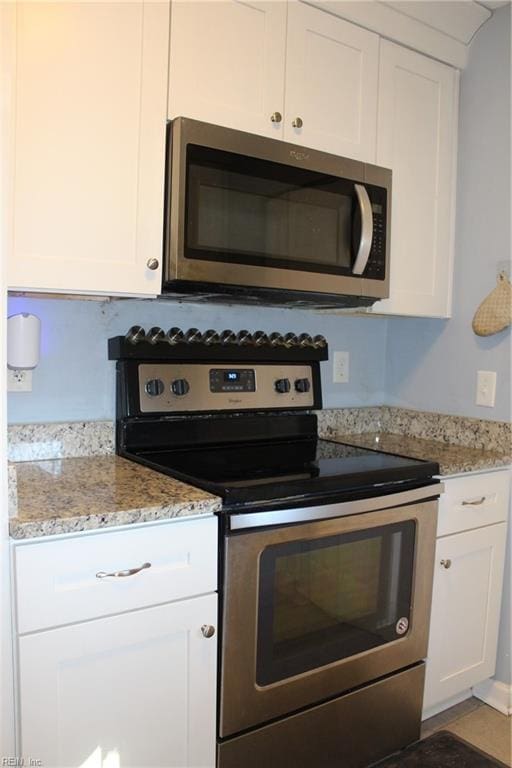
[132, 690]
[468, 580]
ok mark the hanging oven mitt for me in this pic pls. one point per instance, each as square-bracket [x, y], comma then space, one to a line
[495, 312]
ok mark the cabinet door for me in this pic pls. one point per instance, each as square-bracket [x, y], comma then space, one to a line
[331, 83]
[88, 124]
[227, 63]
[138, 689]
[465, 611]
[417, 139]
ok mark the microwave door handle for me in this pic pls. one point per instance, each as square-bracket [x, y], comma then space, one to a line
[365, 243]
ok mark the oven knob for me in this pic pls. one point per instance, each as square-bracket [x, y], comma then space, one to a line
[302, 385]
[276, 339]
[282, 385]
[259, 338]
[154, 387]
[180, 387]
[319, 341]
[227, 337]
[210, 337]
[175, 336]
[243, 337]
[193, 335]
[155, 334]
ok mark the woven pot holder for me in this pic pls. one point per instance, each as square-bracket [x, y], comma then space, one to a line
[495, 312]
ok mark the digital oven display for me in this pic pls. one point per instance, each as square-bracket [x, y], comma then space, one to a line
[232, 380]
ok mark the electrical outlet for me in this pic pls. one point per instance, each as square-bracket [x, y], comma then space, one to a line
[486, 388]
[340, 367]
[19, 380]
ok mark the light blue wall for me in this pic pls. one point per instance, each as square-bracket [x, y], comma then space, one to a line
[432, 364]
[75, 381]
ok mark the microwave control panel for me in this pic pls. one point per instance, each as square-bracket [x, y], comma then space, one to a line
[376, 268]
[181, 387]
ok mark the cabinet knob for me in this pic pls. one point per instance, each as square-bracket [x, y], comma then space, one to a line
[297, 122]
[152, 264]
[208, 630]
[446, 563]
[276, 117]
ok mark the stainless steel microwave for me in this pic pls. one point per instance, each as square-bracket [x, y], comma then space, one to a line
[255, 219]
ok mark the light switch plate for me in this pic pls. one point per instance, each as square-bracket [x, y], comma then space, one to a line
[486, 388]
[340, 367]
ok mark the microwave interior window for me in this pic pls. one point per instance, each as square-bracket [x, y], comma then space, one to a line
[249, 211]
[328, 599]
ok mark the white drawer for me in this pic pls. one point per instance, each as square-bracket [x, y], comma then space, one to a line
[473, 501]
[57, 582]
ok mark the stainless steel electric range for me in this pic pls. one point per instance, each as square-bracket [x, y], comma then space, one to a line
[327, 549]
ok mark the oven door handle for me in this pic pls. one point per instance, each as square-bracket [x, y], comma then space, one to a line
[365, 243]
[245, 520]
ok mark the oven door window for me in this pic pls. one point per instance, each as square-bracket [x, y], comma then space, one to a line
[325, 600]
[248, 211]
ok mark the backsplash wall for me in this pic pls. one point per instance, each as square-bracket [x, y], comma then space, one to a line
[75, 381]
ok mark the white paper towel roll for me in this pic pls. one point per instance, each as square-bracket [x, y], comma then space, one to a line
[23, 341]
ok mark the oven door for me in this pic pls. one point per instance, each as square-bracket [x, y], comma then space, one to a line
[314, 609]
[249, 211]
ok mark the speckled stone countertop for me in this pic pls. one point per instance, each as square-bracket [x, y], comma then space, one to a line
[452, 459]
[79, 494]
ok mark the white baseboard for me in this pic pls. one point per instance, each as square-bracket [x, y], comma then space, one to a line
[496, 694]
[446, 704]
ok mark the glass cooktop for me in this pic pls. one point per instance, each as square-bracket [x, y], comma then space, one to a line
[252, 473]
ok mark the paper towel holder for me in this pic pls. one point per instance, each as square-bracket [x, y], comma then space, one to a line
[23, 341]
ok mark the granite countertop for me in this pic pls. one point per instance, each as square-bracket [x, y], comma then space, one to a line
[79, 494]
[452, 459]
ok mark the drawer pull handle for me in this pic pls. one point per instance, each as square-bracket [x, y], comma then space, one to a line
[446, 563]
[122, 574]
[475, 503]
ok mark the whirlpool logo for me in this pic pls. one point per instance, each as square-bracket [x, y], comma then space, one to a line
[298, 155]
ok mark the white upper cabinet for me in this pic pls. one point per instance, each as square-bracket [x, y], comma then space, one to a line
[331, 84]
[227, 63]
[87, 130]
[417, 139]
[278, 69]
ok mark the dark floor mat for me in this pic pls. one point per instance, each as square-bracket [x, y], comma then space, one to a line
[441, 750]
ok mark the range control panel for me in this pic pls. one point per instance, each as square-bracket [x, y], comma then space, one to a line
[180, 387]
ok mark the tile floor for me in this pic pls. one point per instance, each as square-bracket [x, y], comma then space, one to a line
[478, 724]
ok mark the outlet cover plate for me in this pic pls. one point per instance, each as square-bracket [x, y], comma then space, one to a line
[19, 380]
[340, 367]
